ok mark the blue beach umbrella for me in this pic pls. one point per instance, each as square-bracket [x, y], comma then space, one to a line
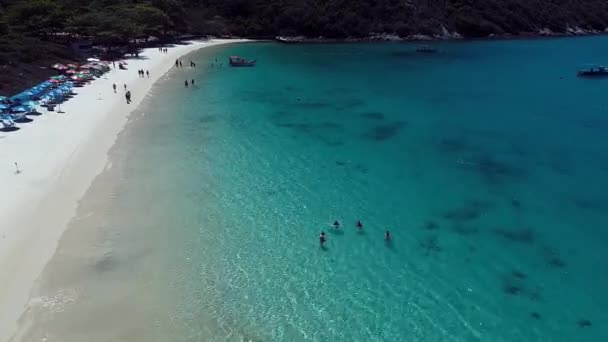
[20, 109]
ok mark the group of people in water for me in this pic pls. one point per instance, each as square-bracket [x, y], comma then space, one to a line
[323, 237]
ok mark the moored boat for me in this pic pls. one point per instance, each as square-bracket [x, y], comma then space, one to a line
[593, 70]
[237, 61]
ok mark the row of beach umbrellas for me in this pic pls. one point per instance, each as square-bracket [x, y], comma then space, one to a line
[53, 91]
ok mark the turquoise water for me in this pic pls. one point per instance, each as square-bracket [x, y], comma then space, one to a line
[488, 162]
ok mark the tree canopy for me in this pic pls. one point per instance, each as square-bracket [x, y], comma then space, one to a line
[112, 21]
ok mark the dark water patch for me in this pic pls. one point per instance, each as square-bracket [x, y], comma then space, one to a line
[535, 315]
[515, 203]
[524, 235]
[583, 323]
[384, 132]
[341, 163]
[350, 104]
[312, 104]
[430, 225]
[553, 258]
[495, 171]
[325, 132]
[373, 116]
[512, 289]
[592, 204]
[430, 245]
[535, 294]
[329, 125]
[469, 211]
[465, 230]
[361, 168]
[518, 274]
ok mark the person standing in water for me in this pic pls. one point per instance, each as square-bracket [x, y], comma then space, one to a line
[387, 236]
[192, 82]
[336, 224]
[322, 239]
[186, 83]
[359, 225]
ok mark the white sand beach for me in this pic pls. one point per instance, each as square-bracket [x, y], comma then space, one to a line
[59, 155]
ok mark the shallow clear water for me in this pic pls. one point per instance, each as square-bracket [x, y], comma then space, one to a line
[486, 161]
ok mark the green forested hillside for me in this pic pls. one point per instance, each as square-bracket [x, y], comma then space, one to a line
[111, 20]
[31, 30]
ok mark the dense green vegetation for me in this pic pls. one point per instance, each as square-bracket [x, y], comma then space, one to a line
[31, 28]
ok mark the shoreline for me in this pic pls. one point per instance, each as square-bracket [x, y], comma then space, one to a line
[422, 39]
[59, 156]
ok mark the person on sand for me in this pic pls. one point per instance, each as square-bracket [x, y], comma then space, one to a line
[127, 97]
[180, 64]
[148, 73]
[176, 63]
[125, 86]
[192, 82]
[359, 225]
[114, 87]
[186, 83]
[322, 238]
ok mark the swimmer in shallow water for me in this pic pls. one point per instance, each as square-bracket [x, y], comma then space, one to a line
[336, 224]
[359, 225]
[322, 238]
[388, 236]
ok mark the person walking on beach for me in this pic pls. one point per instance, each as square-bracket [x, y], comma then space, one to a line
[125, 86]
[114, 87]
[180, 64]
[186, 83]
[176, 63]
[128, 96]
[192, 82]
[148, 73]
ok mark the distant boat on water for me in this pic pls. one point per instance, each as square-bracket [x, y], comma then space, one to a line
[237, 61]
[290, 40]
[426, 49]
[593, 70]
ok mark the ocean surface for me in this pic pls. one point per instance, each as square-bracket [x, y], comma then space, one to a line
[487, 161]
